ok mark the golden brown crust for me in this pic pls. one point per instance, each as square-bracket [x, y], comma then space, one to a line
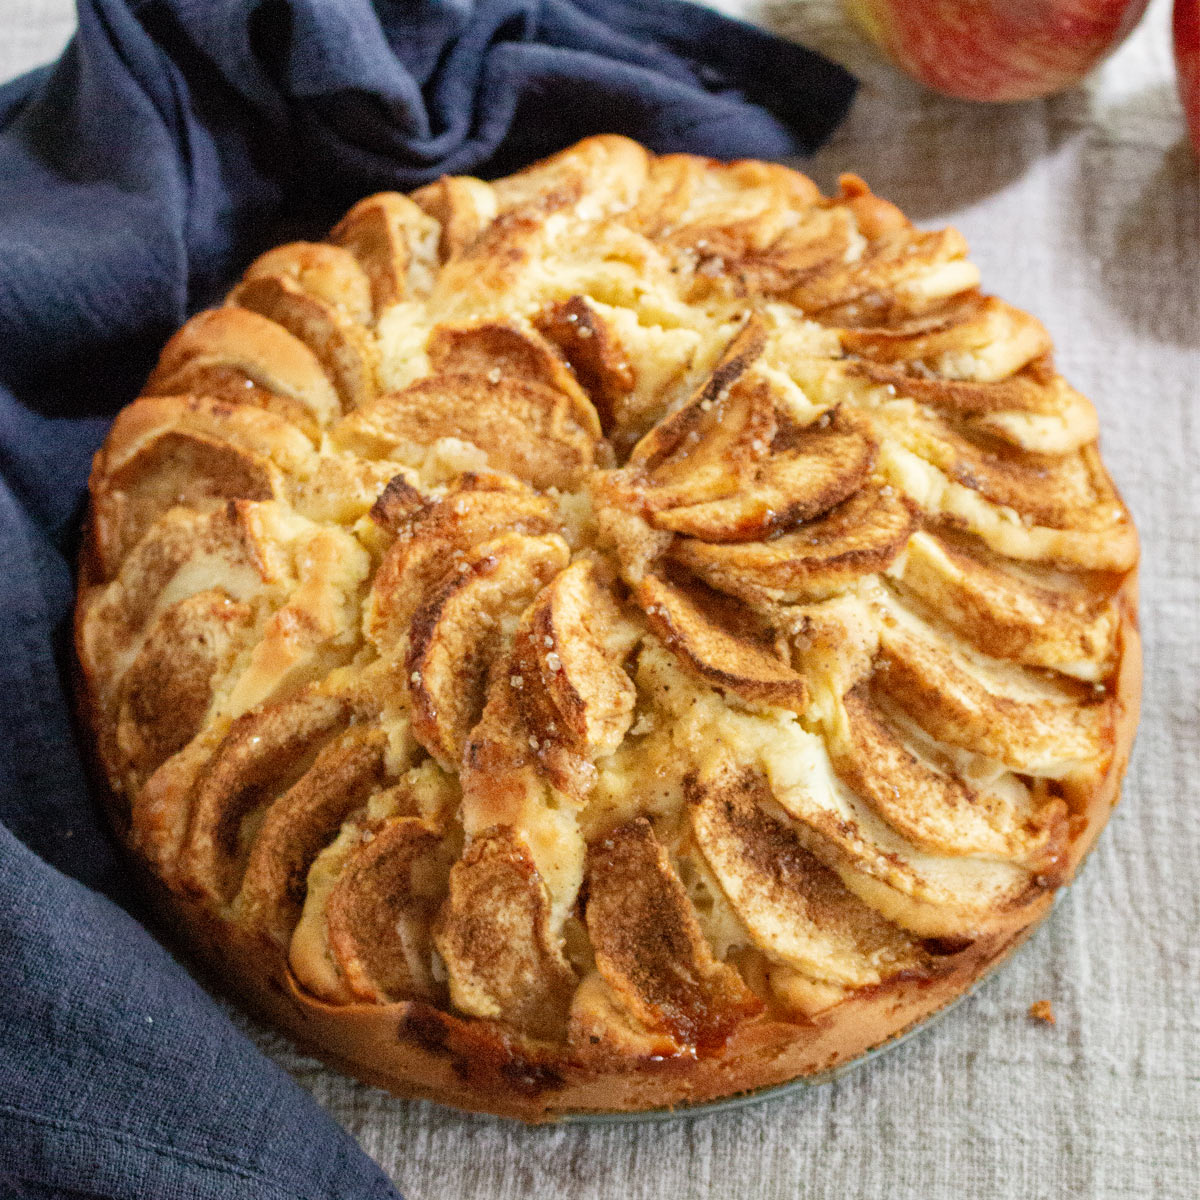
[631, 633]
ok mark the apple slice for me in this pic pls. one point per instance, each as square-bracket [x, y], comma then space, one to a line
[713, 637]
[649, 947]
[328, 273]
[393, 241]
[458, 630]
[795, 908]
[859, 537]
[494, 934]
[242, 356]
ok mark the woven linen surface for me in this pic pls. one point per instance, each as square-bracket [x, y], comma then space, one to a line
[1084, 209]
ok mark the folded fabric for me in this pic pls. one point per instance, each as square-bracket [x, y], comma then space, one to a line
[173, 141]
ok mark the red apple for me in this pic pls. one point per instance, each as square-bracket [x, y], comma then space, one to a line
[1187, 63]
[998, 49]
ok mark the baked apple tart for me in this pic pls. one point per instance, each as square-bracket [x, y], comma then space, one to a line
[615, 637]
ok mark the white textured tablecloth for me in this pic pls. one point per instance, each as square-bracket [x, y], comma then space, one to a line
[1086, 210]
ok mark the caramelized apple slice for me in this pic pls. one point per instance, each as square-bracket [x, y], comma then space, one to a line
[928, 802]
[381, 910]
[795, 908]
[931, 894]
[899, 271]
[187, 451]
[977, 492]
[593, 351]
[488, 347]
[711, 636]
[1030, 723]
[649, 948]
[462, 206]
[493, 935]
[678, 448]
[631, 368]
[261, 756]
[804, 472]
[520, 777]
[861, 536]
[606, 172]
[560, 699]
[567, 668]
[712, 450]
[1035, 409]
[393, 240]
[435, 539]
[754, 230]
[249, 431]
[457, 632]
[1069, 491]
[165, 696]
[734, 465]
[974, 337]
[1048, 619]
[671, 184]
[301, 580]
[299, 823]
[934, 895]
[526, 429]
[500, 270]
[327, 273]
[238, 550]
[372, 894]
[731, 217]
[256, 349]
[340, 345]
[768, 257]
[1023, 504]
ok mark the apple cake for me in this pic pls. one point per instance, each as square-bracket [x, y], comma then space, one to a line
[629, 633]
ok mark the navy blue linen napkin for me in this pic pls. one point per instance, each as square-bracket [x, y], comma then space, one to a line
[172, 141]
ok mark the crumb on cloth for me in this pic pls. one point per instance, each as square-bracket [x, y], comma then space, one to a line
[1041, 1010]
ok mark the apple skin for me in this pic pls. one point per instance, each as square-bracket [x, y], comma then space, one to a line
[997, 49]
[1187, 63]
